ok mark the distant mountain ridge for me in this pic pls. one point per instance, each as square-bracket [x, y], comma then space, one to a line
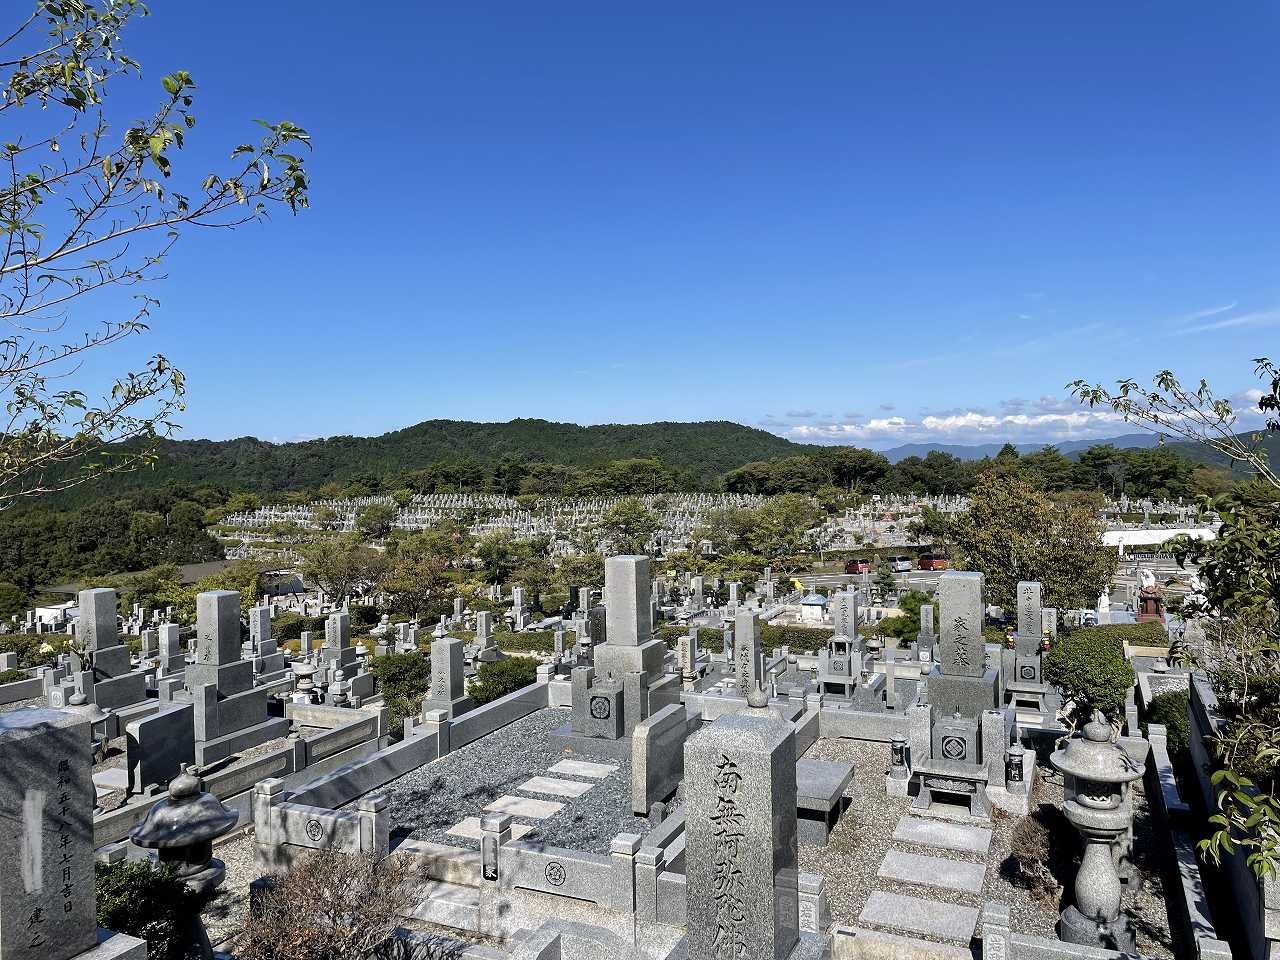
[976, 451]
[699, 452]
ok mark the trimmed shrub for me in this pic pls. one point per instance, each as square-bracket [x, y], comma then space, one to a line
[496, 680]
[364, 615]
[289, 626]
[1172, 709]
[404, 679]
[146, 901]
[1149, 634]
[1089, 667]
[13, 676]
[539, 641]
[799, 639]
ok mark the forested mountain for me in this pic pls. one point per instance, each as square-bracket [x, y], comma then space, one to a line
[696, 453]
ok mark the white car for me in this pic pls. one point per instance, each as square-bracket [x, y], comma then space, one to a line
[901, 564]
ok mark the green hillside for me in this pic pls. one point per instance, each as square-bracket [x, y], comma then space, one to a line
[698, 451]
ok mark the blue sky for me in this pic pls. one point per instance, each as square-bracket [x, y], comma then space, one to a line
[844, 222]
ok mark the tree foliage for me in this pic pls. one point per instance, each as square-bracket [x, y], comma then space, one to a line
[1013, 531]
[90, 209]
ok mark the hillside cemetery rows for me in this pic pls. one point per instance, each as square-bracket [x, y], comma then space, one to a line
[668, 785]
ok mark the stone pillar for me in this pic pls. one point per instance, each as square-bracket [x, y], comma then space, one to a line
[844, 614]
[47, 904]
[628, 614]
[259, 626]
[747, 666]
[741, 853]
[960, 650]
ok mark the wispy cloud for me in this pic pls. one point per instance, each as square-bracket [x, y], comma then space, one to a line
[801, 414]
[1256, 318]
[1212, 311]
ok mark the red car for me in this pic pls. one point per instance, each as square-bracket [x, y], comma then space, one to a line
[929, 562]
[857, 566]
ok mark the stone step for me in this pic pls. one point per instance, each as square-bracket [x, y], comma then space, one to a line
[945, 921]
[926, 871]
[879, 945]
[448, 904]
[941, 833]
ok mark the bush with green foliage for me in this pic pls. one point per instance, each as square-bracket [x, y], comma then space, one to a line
[13, 676]
[27, 647]
[538, 641]
[495, 680]
[289, 625]
[142, 900]
[1089, 668]
[404, 679]
[364, 615]
[1172, 710]
[797, 639]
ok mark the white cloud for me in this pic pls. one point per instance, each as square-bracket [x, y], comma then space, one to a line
[968, 426]
[1256, 318]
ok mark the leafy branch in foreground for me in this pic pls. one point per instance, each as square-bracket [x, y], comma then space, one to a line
[1194, 413]
[87, 208]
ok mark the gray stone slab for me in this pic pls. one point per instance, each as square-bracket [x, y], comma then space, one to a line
[554, 787]
[940, 833]
[932, 871]
[584, 768]
[524, 807]
[946, 921]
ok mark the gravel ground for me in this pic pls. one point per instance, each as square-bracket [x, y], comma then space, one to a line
[862, 838]
[427, 801]
[224, 914]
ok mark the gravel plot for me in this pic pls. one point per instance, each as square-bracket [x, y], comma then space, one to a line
[427, 801]
[862, 838]
[225, 912]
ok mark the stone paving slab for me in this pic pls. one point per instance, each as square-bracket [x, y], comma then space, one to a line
[933, 871]
[470, 829]
[584, 768]
[555, 787]
[946, 921]
[524, 807]
[940, 833]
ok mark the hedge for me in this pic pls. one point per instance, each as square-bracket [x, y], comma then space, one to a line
[539, 641]
[27, 647]
[1150, 634]
[798, 639]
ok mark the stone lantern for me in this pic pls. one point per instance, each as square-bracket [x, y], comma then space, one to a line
[182, 828]
[1101, 770]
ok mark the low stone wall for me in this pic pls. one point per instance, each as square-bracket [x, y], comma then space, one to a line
[293, 762]
[27, 689]
[1000, 943]
[1256, 903]
[482, 721]
[283, 829]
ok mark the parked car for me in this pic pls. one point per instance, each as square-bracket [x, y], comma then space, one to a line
[930, 561]
[900, 564]
[860, 565]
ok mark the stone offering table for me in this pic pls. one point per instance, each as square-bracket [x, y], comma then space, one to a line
[820, 800]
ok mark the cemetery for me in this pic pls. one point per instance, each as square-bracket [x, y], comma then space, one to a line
[665, 786]
[928, 658]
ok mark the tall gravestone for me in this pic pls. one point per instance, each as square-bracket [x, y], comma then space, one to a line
[741, 833]
[448, 685]
[960, 682]
[1021, 666]
[844, 614]
[629, 645]
[115, 684]
[748, 666]
[925, 638]
[47, 898]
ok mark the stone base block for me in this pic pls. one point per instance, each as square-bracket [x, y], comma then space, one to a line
[121, 691]
[968, 696]
[563, 738]
[895, 787]
[1075, 927]
[115, 946]
[210, 751]
[454, 708]
[647, 658]
[1016, 798]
